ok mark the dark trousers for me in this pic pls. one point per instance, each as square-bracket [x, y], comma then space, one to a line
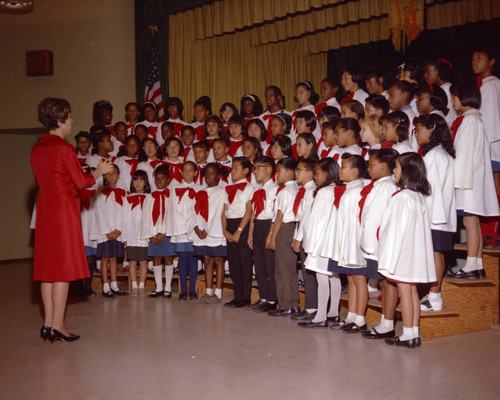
[239, 257]
[88, 281]
[188, 264]
[287, 284]
[264, 260]
[310, 283]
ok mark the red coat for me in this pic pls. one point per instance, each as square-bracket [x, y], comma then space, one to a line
[59, 250]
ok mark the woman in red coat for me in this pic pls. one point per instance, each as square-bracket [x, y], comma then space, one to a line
[59, 250]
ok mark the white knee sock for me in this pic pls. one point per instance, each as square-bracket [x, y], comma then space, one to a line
[470, 265]
[323, 293]
[335, 292]
[169, 271]
[158, 279]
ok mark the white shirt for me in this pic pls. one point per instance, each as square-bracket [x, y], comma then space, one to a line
[108, 216]
[237, 208]
[490, 111]
[284, 202]
[132, 221]
[270, 188]
[304, 209]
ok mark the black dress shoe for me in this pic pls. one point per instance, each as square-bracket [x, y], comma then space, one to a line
[342, 325]
[303, 315]
[231, 303]
[373, 334]
[183, 297]
[335, 320]
[156, 294]
[256, 305]
[282, 312]
[166, 294]
[241, 303]
[45, 332]
[56, 335]
[119, 292]
[276, 313]
[481, 273]
[310, 324]
[193, 296]
[471, 275]
[266, 307]
[411, 343]
[108, 294]
[89, 292]
[355, 329]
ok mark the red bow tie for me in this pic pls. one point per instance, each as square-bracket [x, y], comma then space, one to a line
[179, 192]
[175, 172]
[119, 194]
[338, 192]
[159, 197]
[268, 116]
[136, 200]
[133, 163]
[386, 145]
[364, 194]
[454, 127]
[298, 199]
[82, 160]
[420, 151]
[152, 131]
[155, 163]
[232, 189]
[258, 201]
[201, 205]
[85, 196]
[185, 153]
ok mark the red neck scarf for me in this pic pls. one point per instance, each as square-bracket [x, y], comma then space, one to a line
[350, 96]
[258, 201]
[179, 192]
[233, 189]
[479, 81]
[325, 153]
[298, 200]
[133, 163]
[201, 205]
[454, 127]
[136, 200]
[159, 197]
[119, 194]
[338, 192]
[364, 194]
[111, 159]
[185, 153]
[386, 145]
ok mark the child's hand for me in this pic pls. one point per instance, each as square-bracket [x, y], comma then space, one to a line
[110, 236]
[117, 233]
[250, 242]
[160, 237]
[153, 240]
[202, 234]
[272, 244]
[236, 236]
[296, 245]
[268, 241]
[228, 236]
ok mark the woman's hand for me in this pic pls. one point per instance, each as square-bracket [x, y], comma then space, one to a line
[103, 168]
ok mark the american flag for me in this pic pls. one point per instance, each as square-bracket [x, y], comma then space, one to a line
[153, 89]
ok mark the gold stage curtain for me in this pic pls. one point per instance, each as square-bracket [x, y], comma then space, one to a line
[232, 47]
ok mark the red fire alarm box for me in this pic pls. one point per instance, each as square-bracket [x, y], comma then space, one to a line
[39, 63]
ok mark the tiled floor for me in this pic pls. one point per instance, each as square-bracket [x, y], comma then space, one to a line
[143, 348]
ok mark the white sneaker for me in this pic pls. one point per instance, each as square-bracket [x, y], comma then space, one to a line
[427, 305]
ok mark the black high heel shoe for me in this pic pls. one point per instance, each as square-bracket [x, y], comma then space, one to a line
[45, 332]
[56, 335]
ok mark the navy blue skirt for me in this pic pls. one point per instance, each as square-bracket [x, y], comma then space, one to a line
[372, 270]
[163, 249]
[333, 266]
[110, 248]
[442, 241]
[184, 247]
[462, 213]
[215, 251]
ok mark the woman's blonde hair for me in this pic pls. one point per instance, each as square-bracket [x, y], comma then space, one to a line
[374, 123]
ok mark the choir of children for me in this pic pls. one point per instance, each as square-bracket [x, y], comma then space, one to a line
[266, 189]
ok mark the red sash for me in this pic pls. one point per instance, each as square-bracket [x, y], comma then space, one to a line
[233, 189]
[159, 199]
[180, 193]
[119, 194]
[364, 194]
[133, 163]
[454, 127]
[298, 199]
[201, 205]
[258, 201]
[350, 96]
[136, 200]
[338, 192]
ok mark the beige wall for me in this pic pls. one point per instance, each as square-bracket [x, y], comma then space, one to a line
[94, 58]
